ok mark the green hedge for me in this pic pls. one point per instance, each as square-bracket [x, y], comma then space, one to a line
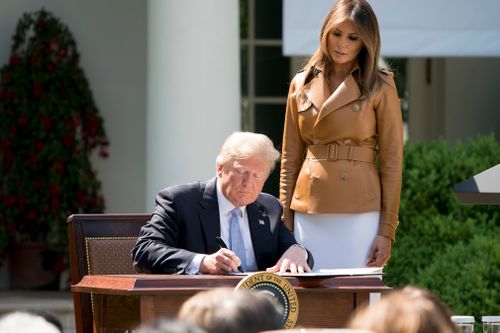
[450, 248]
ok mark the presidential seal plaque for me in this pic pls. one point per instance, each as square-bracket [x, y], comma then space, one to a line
[277, 287]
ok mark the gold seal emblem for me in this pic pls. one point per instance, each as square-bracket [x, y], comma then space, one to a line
[280, 289]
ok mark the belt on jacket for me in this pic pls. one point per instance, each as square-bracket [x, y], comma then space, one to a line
[338, 152]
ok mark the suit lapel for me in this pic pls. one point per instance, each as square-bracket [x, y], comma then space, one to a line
[259, 230]
[210, 217]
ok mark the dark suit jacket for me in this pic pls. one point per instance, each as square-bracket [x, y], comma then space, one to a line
[186, 221]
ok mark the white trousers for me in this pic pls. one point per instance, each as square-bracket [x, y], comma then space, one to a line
[337, 240]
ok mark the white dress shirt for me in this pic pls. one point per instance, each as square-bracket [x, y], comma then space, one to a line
[225, 207]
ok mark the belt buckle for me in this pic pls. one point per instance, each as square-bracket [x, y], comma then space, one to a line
[335, 149]
[349, 154]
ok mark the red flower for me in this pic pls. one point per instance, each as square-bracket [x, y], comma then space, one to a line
[68, 140]
[32, 215]
[59, 168]
[37, 89]
[46, 122]
[10, 95]
[51, 68]
[23, 121]
[59, 266]
[81, 198]
[14, 60]
[103, 153]
[4, 146]
[54, 190]
[8, 156]
[32, 160]
[39, 145]
[10, 200]
[21, 202]
[54, 203]
[37, 184]
[41, 24]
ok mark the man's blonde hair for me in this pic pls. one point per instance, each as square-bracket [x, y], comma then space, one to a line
[244, 145]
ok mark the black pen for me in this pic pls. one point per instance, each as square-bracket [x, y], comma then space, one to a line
[224, 246]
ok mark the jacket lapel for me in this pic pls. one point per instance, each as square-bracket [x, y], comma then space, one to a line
[318, 91]
[209, 216]
[347, 92]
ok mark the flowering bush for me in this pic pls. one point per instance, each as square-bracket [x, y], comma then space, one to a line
[48, 129]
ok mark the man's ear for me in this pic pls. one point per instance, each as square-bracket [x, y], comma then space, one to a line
[218, 169]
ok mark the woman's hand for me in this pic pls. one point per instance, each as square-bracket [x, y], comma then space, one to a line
[380, 252]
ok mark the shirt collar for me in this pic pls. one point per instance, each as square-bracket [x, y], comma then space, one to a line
[225, 206]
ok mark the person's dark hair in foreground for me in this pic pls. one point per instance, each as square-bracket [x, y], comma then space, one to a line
[225, 310]
[169, 325]
[409, 310]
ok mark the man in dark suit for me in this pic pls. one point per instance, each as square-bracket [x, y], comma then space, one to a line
[181, 237]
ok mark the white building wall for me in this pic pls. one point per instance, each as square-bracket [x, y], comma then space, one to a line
[454, 99]
[472, 98]
[193, 89]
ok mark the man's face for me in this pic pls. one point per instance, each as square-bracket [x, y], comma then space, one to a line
[241, 180]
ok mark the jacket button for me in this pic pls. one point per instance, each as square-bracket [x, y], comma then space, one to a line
[296, 196]
[344, 176]
[356, 107]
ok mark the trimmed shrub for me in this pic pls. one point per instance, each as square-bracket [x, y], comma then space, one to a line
[450, 248]
[467, 276]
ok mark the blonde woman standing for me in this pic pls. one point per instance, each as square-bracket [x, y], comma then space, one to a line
[343, 145]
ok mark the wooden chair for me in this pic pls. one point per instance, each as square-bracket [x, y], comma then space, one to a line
[99, 244]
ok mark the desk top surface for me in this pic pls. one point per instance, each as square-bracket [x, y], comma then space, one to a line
[155, 284]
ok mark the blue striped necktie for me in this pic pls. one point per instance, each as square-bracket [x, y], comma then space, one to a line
[236, 242]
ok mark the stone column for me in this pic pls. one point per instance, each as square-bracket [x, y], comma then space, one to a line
[193, 97]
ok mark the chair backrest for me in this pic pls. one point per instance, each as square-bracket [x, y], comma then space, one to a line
[90, 236]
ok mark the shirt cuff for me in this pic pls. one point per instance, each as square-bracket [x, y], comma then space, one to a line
[194, 266]
[303, 248]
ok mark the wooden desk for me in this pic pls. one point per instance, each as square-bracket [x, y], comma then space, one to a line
[123, 301]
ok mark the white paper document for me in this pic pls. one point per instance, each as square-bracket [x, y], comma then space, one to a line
[340, 272]
[331, 272]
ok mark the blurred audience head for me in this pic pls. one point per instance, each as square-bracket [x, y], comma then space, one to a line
[409, 310]
[225, 310]
[169, 325]
[29, 322]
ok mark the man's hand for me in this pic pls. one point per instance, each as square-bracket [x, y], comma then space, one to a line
[294, 260]
[223, 261]
[380, 252]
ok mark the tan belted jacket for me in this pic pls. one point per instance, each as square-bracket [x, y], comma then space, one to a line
[330, 144]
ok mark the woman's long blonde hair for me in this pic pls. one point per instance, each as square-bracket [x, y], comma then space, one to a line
[362, 15]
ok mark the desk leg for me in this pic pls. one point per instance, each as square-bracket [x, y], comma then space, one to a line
[97, 307]
[147, 308]
[361, 298]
